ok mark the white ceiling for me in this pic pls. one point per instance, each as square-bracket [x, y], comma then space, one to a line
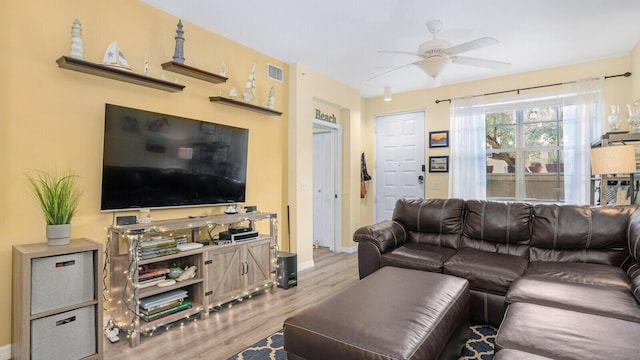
[341, 38]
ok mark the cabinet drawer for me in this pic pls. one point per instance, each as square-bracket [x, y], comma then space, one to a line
[65, 336]
[63, 280]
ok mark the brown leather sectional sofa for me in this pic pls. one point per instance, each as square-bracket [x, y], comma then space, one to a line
[554, 270]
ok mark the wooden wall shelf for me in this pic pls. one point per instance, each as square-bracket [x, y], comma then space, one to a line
[243, 105]
[186, 70]
[88, 67]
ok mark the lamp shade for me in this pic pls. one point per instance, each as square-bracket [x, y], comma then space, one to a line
[613, 160]
[433, 66]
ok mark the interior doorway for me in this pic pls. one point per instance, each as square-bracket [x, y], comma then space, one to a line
[400, 160]
[327, 185]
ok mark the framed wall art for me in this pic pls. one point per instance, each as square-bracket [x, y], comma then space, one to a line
[439, 164]
[438, 139]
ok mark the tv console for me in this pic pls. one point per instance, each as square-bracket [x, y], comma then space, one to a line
[224, 273]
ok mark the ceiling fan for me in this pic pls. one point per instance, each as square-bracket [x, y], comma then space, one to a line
[436, 54]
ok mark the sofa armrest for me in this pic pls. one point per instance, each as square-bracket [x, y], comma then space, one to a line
[386, 235]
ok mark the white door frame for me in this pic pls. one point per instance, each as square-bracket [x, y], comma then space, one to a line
[424, 150]
[336, 133]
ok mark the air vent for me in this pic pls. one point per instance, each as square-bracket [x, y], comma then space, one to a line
[275, 73]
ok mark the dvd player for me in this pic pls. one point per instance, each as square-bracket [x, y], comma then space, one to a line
[239, 230]
[226, 235]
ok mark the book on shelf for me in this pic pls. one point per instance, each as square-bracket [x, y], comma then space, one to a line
[151, 282]
[163, 299]
[156, 253]
[168, 306]
[170, 244]
[144, 274]
[158, 240]
[185, 305]
[154, 247]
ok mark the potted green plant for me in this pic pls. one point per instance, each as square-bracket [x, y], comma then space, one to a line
[555, 162]
[58, 195]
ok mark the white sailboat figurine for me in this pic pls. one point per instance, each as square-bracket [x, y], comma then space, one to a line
[249, 92]
[115, 58]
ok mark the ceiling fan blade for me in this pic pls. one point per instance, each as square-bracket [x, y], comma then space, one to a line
[392, 70]
[488, 64]
[472, 45]
[401, 52]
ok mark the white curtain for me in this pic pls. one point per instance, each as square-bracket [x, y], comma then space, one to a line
[583, 109]
[468, 170]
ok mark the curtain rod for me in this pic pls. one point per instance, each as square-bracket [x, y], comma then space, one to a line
[627, 74]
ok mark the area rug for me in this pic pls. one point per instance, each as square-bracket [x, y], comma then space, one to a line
[479, 346]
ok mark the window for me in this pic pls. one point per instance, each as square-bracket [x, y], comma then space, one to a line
[529, 132]
[524, 153]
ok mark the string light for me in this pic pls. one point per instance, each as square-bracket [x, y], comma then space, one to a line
[130, 289]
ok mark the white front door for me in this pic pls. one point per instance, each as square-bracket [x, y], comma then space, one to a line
[323, 188]
[400, 154]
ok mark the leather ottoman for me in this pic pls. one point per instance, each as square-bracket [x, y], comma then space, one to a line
[393, 313]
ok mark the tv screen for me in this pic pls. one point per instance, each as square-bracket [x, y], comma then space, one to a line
[154, 160]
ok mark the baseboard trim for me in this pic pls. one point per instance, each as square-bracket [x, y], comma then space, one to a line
[305, 265]
[349, 250]
[5, 352]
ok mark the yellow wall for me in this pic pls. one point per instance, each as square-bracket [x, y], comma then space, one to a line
[635, 69]
[308, 88]
[437, 115]
[53, 118]
[329, 110]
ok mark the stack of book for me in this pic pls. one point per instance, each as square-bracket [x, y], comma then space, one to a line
[151, 276]
[161, 305]
[157, 246]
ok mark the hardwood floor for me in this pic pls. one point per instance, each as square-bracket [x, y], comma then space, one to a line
[228, 331]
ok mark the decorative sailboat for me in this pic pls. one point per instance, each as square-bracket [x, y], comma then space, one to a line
[115, 58]
[249, 92]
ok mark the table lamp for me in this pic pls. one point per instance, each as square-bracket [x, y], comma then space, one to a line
[610, 160]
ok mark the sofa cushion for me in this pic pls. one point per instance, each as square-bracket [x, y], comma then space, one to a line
[385, 235]
[565, 334]
[612, 302]
[497, 227]
[510, 354]
[580, 233]
[633, 234]
[486, 270]
[634, 276]
[583, 273]
[418, 256]
[634, 249]
[438, 221]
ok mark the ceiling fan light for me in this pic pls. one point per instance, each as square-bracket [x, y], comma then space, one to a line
[433, 66]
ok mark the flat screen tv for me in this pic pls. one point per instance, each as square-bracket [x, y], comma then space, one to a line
[153, 160]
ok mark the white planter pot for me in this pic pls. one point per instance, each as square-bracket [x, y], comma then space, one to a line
[58, 234]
